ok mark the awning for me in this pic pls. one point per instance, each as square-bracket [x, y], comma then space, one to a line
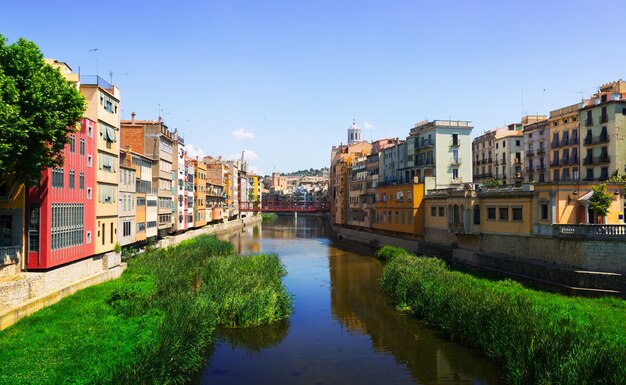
[586, 197]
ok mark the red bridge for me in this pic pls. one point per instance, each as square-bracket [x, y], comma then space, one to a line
[292, 207]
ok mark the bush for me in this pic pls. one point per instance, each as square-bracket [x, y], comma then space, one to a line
[387, 253]
[541, 338]
[154, 325]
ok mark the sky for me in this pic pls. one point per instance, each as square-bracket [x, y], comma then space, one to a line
[283, 80]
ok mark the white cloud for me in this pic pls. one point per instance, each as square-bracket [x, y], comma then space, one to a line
[193, 152]
[367, 125]
[243, 134]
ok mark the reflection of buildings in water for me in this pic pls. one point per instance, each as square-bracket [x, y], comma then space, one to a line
[358, 304]
[302, 226]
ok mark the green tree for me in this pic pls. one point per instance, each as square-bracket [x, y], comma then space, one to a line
[38, 108]
[600, 200]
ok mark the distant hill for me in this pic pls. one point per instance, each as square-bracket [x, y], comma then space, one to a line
[310, 172]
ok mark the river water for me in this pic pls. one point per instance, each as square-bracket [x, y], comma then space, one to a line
[343, 329]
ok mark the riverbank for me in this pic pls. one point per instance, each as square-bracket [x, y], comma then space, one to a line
[154, 324]
[540, 338]
[534, 273]
[28, 292]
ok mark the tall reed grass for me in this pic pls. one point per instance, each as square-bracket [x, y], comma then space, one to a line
[154, 325]
[540, 338]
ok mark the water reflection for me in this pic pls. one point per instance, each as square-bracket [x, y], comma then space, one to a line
[358, 304]
[342, 331]
[254, 340]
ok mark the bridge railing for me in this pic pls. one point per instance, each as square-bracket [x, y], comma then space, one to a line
[284, 206]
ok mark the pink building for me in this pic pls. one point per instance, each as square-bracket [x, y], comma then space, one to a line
[61, 209]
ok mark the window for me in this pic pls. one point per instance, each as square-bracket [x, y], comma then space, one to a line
[491, 213]
[81, 181]
[58, 178]
[504, 213]
[141, 202]
[88, 237]
[89, 161]
[72, 143]
[455, 139]
[544, 211]
[106, 193]
[517, 143]
[107, 162]
[517, 214]
[89, 193]
[141, 227]
[72, 180]
[67, 225]
[126, 229]
[82, 146]
[111, 232]
[455, 173]
[442, 211]
[477, 215]
[433, 211]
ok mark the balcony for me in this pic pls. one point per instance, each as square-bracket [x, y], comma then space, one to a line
[574, 140]
[604, 118]
[541, 167]
[10, 252]
[589, 231]
[555, 143]
[454, 143]
[597, 159]
[564, 142]
[517, 160]
[588, 122]
[530, 153]
[455, 161]
[590, 141]
[573, 159]
[554, 163]
[541, 151]
[564, 160]
[456, 180]
[95, 81]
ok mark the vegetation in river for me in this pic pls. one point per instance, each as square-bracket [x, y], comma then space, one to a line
[387, 253]
[154, 325]
[541, 338]
[269, 217]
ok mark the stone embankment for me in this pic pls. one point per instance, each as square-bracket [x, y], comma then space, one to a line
[555, 273]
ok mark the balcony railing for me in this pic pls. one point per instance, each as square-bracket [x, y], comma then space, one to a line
[541, 151]
[10, 252]
[95, 80]
[455, 161]
[573, 160]
[554, 162]
[596, 140]
[604, 118]
[555, 143]
[597, 159]
[530, 153]
[588, 122]
[617, 231]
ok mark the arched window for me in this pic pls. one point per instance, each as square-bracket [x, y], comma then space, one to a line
[477, 215]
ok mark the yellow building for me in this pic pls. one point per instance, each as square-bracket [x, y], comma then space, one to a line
[12, 240]
[341, 161]
[199, 185]
[526, 210]
[400, 208]
[103, 100]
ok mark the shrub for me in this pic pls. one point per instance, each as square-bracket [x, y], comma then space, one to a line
[387, 253]
[541, 338]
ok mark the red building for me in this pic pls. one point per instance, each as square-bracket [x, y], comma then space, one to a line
[61, 209]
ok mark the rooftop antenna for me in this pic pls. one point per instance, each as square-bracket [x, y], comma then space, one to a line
[111, 76]
[581, 95]
[95, 50]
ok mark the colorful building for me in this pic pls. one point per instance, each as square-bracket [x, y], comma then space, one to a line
[154, 140]
[127, 224]
[199, 185]
[536, 144]
[603, 122]
[399, 208]
[564, 129]
[61, 209]
[103, 108]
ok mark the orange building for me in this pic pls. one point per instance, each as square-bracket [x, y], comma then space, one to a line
[400, 208]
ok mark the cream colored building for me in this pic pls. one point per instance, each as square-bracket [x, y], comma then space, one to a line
[103, 107]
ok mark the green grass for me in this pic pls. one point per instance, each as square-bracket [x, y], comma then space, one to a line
[540, 338]
[269, 217]
[154, 325]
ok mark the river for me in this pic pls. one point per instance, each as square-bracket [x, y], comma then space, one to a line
[343, 329]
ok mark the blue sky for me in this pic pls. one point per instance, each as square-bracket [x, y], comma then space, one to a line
[284, 79]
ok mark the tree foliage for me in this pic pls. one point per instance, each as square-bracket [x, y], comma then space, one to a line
[600, 200]
[38, 108]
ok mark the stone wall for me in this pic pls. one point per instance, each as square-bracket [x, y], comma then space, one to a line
[569, 266]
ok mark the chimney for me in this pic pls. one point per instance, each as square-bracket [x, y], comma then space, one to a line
[132, 117]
